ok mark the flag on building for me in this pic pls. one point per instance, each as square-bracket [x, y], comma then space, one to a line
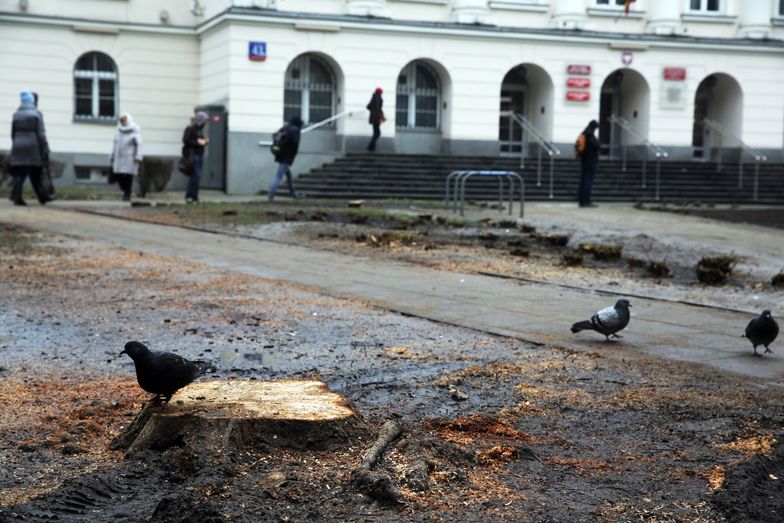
[628, 6]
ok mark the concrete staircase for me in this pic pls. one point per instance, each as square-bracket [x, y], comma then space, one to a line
[423, 177]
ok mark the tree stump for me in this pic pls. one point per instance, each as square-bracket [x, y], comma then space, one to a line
[236, 415]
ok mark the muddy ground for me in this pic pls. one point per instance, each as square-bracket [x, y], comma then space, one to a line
[543, 434]
[664, 267]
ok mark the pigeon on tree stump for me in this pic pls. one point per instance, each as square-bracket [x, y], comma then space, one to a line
[607, 321]
[762, 331]
[163, 373]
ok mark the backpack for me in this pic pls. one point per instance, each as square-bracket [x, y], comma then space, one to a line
[579, 145]
[279, 139]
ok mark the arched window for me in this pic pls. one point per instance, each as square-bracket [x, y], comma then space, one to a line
[95, 87]
[418, 97]
[310, 90]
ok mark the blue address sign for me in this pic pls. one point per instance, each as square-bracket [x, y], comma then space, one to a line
[257, 51]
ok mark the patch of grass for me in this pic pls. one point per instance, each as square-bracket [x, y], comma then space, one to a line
[715, 270]
[601, 252]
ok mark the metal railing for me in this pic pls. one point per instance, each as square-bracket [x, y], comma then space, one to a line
[649, 146]
[544, 145]
[311, 127]
[454, 194]
[744, 148]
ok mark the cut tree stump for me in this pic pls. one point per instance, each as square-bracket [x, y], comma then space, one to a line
[216, 415]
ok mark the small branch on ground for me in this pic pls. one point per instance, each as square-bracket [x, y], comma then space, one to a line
[375, 484]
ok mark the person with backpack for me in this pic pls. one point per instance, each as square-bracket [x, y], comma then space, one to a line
[285, 146]
[29, 149]
[587, 149]
[376, 117]
[193, 143]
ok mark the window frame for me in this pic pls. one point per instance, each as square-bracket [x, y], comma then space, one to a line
[412, 93]
[95, 76]
[615, 5]
[304, 86]
[703, 9]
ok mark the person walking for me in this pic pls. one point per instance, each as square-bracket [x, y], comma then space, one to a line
[126, 154]
[587, 149]
[29, 149]
[194, 142]
[376, 117]
[286, 147]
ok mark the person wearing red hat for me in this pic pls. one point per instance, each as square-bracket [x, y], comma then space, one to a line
[376, 117]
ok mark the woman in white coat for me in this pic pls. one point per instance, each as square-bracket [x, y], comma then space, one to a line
[126, 154]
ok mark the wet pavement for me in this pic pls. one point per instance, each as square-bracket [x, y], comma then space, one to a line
[538, 313]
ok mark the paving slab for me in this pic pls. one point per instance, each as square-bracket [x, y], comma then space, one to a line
[539, 313]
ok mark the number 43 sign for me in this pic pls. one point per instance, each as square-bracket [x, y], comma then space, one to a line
[257, 51]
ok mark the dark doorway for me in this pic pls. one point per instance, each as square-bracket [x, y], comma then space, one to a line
[214, 171]
[513, 101]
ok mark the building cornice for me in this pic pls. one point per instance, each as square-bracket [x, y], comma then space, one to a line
[376, 25]
[98, 26]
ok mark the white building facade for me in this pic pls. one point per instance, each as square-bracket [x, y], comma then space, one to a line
[452, 72]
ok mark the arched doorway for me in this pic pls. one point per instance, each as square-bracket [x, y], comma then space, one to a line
[420, 103]
[719, 98]
[526, 91]
[311, 89]
[625, 93]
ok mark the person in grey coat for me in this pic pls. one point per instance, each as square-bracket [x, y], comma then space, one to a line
[29, 150]
[126, 153]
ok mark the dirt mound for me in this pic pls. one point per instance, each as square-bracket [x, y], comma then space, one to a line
[754, 490]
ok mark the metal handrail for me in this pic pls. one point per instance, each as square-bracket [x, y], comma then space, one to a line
[544, 145]
[316, 125]
[649, 145]
[758, 155]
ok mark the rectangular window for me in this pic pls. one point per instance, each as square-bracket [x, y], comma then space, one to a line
[705, 6]
[106, 99]
[611, 3]
[781, 7]
[401, 110]
[84, 97]
[427, 112]
[292, 104]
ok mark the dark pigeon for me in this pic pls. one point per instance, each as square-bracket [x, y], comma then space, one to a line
[762, 331]
[163, 373]
[607, 321]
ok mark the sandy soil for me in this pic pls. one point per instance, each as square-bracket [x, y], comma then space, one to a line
[543, 434]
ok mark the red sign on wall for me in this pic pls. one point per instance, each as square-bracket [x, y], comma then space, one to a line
[578, 82]
[675, 73]
[578, 69]
[578, 96]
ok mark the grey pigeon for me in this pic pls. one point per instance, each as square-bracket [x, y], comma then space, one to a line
[762, 331]
[163, 373]
[607, 321]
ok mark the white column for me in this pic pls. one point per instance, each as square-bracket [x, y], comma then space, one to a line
[568, 14]
[664, 17]
[755, 19]
[367, 8]
[471, 12]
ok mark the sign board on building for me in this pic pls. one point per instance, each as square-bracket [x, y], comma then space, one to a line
[578, 69]
[578, 82]
[257, 51]
[627, 57]
[675, 73]
[673, 95]
[578, 96]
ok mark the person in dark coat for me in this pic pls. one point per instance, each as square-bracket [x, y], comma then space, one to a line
[588, 160]
[288, 149]
[29, 150]
[376, 117]
[193, 144]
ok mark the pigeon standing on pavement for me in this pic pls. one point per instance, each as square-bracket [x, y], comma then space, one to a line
[163, 373]
[607, 321]
[762, 331]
